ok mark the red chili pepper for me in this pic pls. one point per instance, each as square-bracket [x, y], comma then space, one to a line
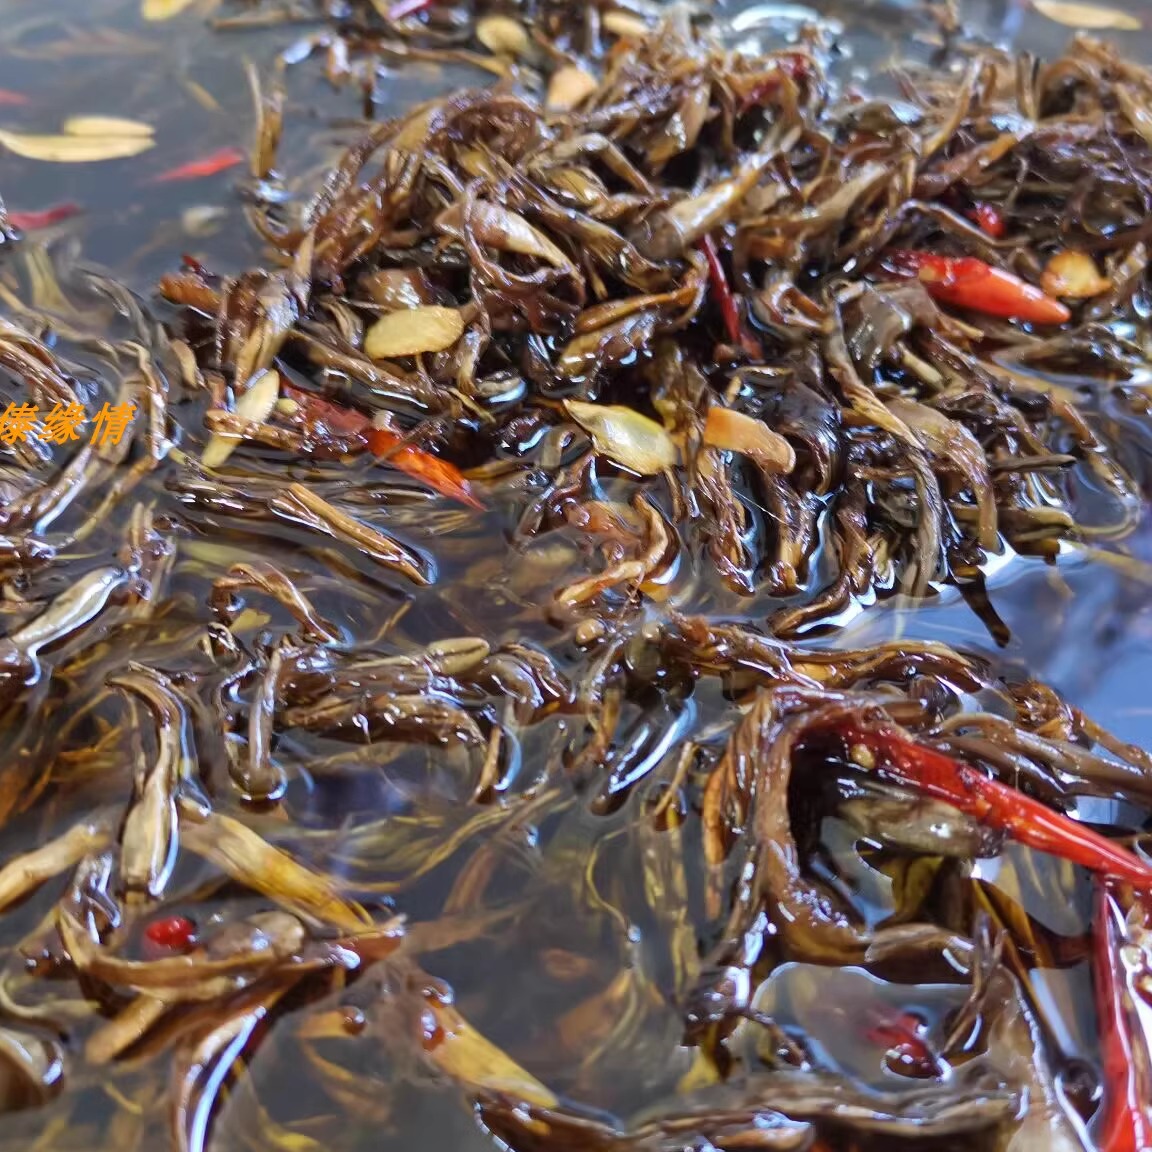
[337, 418]
[30, 221]
[907, 1051]
[729, 309]
[192, 263]
[407, 8]
[172, 934]
[997, 805]
[12, 99]
[990, 219]
[206, 166]
[798, 66]
[1124, 1123]
[445, 478]
[967, 282]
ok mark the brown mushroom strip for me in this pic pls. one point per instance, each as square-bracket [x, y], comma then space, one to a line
[300, 504]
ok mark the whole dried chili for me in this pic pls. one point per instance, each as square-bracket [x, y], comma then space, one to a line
[996, 804]
[967, 282]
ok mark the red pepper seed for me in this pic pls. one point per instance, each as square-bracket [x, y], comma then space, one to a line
[170, 935]
[989, 218]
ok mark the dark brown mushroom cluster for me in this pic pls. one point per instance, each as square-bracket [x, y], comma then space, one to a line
[704, 267]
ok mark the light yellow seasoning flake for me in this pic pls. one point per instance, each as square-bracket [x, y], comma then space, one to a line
[412, 331]
[106, 126]
[256, 405]
[502, 35]
[163, 9]
[74, 149]
[625, 25]
[569, 86]
[1092, 16]
[625, 436]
